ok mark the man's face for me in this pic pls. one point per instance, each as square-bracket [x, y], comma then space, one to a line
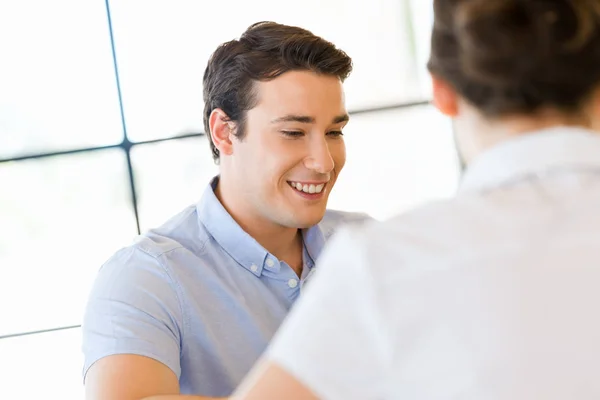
[292, 152]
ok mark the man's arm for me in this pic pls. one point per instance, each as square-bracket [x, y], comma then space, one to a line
[133, 377]
[269, 381]
[131, 331]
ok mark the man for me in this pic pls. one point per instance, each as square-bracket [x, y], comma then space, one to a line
[191, 306]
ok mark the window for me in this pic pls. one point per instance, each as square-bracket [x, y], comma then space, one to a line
[57, 86]
[61, 219]
[43, 366]
[396, 160]
[162, 53]
[171, 176]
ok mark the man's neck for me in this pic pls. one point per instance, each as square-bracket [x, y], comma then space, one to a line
[283, 242]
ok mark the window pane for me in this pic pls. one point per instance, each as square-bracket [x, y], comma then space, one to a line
[57, 83]
[422, 17]
[396, 160]
[170, 176]
[163, 48]
[42, 366]
[61, 218]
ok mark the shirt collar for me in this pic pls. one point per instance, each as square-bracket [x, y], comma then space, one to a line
[533, 154]
[242, 247]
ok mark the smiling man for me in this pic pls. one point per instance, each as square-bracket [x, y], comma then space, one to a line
[191, 305]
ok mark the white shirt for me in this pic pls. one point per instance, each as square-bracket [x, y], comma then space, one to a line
[492, 295]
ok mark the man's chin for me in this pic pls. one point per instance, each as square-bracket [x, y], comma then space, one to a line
[308, 221]
[303, 216]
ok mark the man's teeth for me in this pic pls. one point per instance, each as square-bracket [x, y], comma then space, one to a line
[307, 188]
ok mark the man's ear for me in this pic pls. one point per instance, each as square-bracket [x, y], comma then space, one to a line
[221, 131]
[445, 98]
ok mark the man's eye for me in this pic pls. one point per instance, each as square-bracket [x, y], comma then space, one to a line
[293, 133]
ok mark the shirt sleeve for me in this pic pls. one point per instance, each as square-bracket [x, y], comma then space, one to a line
[133, 308]
[334, 340]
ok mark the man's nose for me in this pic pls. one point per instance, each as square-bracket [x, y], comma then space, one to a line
[319, 158]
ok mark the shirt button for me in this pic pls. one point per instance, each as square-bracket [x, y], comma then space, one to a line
[253, 268]
[270, 262]
[292, 283]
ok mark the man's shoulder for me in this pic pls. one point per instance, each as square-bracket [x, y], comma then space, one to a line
[181, 232]
[335, 219]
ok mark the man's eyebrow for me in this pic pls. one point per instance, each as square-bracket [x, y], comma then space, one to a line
[341, 118]
[304, 119]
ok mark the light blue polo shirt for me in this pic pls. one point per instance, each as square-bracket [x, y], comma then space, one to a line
[199, 295]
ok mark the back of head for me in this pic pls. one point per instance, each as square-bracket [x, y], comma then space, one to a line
[263, 52]
[518, 56]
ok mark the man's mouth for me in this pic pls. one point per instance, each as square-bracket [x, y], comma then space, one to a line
[309, 188]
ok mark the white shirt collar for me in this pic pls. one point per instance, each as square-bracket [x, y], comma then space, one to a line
[533, 154]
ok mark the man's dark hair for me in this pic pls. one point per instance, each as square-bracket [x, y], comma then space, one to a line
[265, 51]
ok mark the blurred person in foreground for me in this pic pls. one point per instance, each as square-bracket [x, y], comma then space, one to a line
[493, 294]
[190, 307]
